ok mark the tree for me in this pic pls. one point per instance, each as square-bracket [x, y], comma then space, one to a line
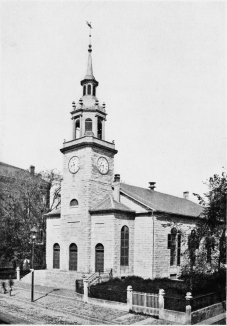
[24, 199]
[214, 216]
[205, 246]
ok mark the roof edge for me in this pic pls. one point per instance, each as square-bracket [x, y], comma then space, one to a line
[111, 210]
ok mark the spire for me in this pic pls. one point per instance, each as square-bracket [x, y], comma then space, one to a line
[89, 74]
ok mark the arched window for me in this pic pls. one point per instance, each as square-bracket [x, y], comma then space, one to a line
[94, 90]
[88, 125]
[174, 244]
[99, 258]
[73, 257]
[56, 256]
[99, 128]
[73, 203]
[84, 90]
[124, 246]
[89, 89]
[77, 129]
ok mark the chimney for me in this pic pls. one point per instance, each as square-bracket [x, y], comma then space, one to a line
[32, 170]
[116, 185]
[152, 185]
[186, 194]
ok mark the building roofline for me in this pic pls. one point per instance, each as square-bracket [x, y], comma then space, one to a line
[111, 210]
[13, 166]
[135, 199]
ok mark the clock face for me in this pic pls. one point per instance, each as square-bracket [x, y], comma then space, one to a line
[103, 165]
[74, 164]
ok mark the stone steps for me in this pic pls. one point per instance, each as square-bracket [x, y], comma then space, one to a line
[53, 278]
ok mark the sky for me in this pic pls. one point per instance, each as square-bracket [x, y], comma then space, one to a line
[161, 68]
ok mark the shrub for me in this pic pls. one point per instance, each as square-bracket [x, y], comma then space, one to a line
[202, 283]
[116, 289]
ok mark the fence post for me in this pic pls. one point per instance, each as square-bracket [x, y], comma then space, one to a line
[18, 273]
[129, 297]
[161, 303]
[188, 310]
[85, 290]
[145, 300]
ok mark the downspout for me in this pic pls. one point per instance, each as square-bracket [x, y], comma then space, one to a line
[153, 248]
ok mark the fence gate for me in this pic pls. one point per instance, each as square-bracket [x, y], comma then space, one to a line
[146, 303]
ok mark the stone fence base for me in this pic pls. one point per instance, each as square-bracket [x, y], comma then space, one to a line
[208, 312]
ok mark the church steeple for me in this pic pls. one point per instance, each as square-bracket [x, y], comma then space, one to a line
[88, 115]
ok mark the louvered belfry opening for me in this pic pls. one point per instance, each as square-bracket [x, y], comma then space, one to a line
[99, 128]
[88, 125]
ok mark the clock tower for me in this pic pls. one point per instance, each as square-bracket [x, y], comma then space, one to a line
[88, 170]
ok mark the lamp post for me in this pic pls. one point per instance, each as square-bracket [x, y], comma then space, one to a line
[34, 232]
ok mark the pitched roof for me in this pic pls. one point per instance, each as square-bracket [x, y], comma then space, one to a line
[109, 204]
[162, 202]
[54, 213]
[8, 171]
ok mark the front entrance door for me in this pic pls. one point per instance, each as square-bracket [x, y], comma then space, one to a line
[73, 257]
[99, 258]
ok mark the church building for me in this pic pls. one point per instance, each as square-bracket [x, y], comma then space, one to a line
[103, 224]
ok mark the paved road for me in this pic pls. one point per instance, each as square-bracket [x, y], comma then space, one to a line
[55, 306]
[58, 309]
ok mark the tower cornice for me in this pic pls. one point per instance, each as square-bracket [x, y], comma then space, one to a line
[88, 80]
[88, 141]
[80, 111]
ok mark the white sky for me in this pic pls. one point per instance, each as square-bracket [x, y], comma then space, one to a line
[161, 69]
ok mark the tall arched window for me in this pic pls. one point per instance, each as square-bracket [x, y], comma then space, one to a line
[73, 203]
[73, 257]
[56, 256]
[124, 246]
[77, 129]
[84, 90]
[89, 89]
[99, 128]
[94, 90]
[88, 125]
[174, 244]
[99, 258]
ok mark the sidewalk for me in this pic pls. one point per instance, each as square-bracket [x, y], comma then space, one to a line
[61, 306]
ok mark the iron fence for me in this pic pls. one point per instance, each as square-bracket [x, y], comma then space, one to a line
[207, 300]
[175, 303]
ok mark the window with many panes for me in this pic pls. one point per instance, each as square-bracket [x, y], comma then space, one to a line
[174, 244]
[124, 246]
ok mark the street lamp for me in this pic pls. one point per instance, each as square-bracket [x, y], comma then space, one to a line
[34, 232]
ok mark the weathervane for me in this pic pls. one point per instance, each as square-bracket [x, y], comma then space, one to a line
[89, 25]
